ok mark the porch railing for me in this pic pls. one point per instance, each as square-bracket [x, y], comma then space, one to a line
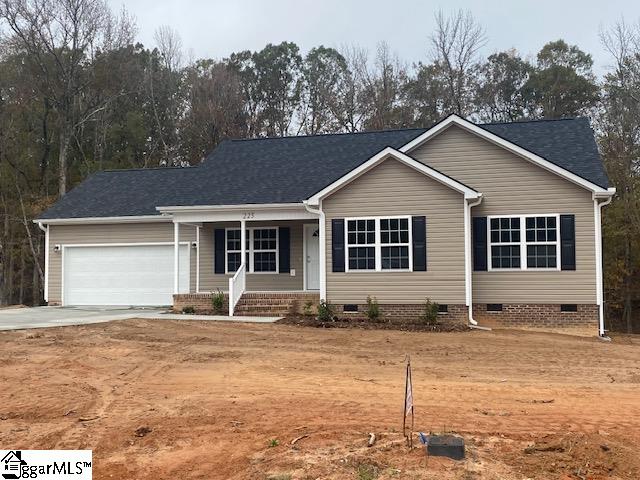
[237, 285]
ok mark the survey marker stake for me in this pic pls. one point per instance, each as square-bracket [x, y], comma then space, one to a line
[408, 405]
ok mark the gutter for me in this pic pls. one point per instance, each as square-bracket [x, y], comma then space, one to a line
[597, 206]
[468, 269]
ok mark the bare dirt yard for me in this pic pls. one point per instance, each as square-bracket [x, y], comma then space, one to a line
[190, 400]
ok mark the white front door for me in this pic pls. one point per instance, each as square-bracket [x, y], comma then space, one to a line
[312, 260]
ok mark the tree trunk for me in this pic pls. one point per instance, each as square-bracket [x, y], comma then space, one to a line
[65, 140]
[628, 301]
[23, 267]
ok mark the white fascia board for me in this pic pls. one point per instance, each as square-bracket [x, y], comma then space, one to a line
[512, 147]
[237, 213]
[105, 220]
[233, 208]
[390, 152]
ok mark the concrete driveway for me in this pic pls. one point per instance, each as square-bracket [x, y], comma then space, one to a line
[42, 317]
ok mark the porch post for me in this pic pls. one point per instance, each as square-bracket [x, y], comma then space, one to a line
[176, 257]
[243, 241]
[197, 259]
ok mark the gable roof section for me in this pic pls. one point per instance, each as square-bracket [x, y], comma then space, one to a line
[402, 158]
[544, 139]
[292, 169]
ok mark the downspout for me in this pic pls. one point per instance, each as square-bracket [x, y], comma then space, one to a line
[46, 260]
[597, 206]
[468, 270]
[323, 247]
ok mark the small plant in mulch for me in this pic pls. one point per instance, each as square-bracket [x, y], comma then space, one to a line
[274, 442]
[307, 310]
[430, 312]
[217, 301]
[373, 309]
[188, 309]
[325, 312]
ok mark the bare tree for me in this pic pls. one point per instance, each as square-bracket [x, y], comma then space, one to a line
[347, 105]
[61, 39]
[169, 44]
[384, 83]
[455, 45]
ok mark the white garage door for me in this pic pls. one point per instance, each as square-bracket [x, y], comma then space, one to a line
[122, 275]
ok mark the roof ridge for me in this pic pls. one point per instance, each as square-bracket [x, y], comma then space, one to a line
[143, 169]
[336, 134]
[532, 120]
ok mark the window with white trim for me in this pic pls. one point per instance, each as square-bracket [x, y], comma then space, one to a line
[542, 242]
[376, 244]
[261, 250]
[524, 242]
[504, 237]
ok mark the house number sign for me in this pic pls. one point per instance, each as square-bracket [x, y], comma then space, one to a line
[248, 215]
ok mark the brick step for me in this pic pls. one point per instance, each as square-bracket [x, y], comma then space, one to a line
[265, 301]
[261, 313]
[254, 308]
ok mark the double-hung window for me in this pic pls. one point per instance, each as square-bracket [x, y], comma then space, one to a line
[377, 244]
[524, 242]
[261, 250]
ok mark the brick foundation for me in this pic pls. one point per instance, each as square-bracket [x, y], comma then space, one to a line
[275, 304]
[201, 302]
[541, 317]
[408, 312]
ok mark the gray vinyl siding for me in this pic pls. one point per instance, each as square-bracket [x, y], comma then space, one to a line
[112, 233]
[392, 188]
[209, 281]
[512, 185]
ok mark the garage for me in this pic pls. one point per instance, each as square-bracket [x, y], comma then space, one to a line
[122, 275]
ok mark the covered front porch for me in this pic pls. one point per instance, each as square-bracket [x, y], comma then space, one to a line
[266, 260]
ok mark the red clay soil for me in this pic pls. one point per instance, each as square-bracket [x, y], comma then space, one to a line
[190, 400]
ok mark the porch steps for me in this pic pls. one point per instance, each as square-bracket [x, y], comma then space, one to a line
[275, 304]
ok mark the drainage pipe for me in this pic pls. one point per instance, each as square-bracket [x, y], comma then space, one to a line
[468, 269]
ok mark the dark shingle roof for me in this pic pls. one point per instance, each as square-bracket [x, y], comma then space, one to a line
[569, 143]
[291, 169]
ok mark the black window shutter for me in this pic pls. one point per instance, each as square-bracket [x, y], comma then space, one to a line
[219, 250]
[337, 244]
[480, 243]
[568, 242]
[284, 249]
[419, 234]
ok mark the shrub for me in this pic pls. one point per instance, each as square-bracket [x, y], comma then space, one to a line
[373, 309]
[217, 301]
[430, 314]
[307, 309]
[188, 309]
[325, 311]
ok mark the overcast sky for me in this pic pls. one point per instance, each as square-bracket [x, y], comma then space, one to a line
[215, 28]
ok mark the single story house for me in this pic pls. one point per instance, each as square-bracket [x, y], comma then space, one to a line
[500, 224]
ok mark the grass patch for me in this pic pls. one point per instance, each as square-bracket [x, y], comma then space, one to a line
[367, 471]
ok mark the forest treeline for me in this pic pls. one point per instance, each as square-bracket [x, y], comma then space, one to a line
[79, 94]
